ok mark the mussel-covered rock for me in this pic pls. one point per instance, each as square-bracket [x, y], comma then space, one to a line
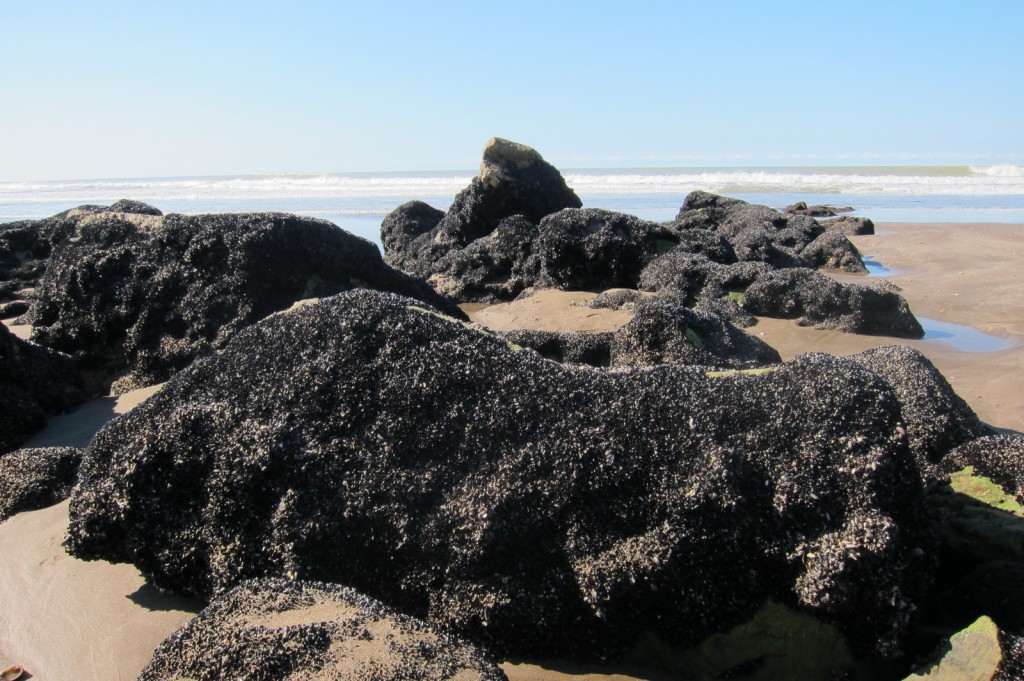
[537, 508]
[285, 629]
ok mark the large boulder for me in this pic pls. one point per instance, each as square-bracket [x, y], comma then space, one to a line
[590, 248]
[814, 299]
[541, 509]
[760, 233]
[938, 420]
[34, 383]
[849, 225]
[285, 629]
[138, 297]
[513, 181]
[662, 332]
[25, 248]
[494, 268]
[35, 478]
[833, 251]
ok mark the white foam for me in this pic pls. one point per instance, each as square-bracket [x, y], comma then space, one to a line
[1004, 170]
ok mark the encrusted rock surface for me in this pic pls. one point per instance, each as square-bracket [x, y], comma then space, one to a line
[938, 420]
[849, 225]
[814, 299]
[833, 251]
[1000, 458]
[34, 383]
[284, 629]
[514, 181]
[25, 246]
[537, 508]
[140, 296]
[801, 208]
[591, 248]
[36, 478]
[663, 332]
[592, 349]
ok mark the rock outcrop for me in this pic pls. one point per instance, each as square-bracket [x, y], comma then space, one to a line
[138, 296]
[284, 629]
[589, 248]
[535, 508]
[814, 299]
[514, 182]
[25, 248]
[34, 383]
[938, 420]
[763, 234]
[662, 332]
[35, 478]
[849, 225]
[801, 208]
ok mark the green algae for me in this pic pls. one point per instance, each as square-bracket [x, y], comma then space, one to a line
[734, 372]
[980, 488]
[777, 644]
[974, 654]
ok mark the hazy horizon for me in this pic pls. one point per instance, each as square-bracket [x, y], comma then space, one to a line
[136, 90]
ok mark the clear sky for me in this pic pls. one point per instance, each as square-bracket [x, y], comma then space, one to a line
[131, 89]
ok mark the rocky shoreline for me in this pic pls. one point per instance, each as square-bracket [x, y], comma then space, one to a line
[335, 430]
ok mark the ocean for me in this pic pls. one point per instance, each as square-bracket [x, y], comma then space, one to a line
[359, 201]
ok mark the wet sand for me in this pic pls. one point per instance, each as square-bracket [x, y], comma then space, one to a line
[67, 619]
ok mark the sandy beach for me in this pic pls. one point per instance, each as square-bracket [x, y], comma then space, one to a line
[68, 619]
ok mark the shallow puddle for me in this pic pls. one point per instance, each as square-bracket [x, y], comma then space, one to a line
[875, 268]
[962, 337]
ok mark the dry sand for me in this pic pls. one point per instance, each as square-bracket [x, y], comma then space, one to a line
[65, 619]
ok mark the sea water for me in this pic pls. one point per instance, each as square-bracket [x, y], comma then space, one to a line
[359, 201]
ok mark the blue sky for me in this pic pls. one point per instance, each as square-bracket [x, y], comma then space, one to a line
[131, 89]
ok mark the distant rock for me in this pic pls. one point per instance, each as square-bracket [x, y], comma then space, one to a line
[662, 332]
[31, 479]
[589, 248]
[833, 251]
[538, 509]
[513, 181]
[814, 299]
[284, 629]
[801, 208]
[138, 297]
[938, 420]
[760, 233]
[849, 225]
[34, 383]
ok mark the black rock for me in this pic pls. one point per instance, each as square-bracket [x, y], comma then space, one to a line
[34, 383]
[25, 246]
[492, 269]
[540, 509]
[284, 629]
[760, 233]
[814, 299]
[833, 251]
[513, 181]
[1000, 458]
[662, 332]
[692, 276]
[711, 245]
[849, 225]
[140, 296]
[938, 420]
[31, 479]
[801, 208]
[13, 309]
[593, 249]
[592, 349]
